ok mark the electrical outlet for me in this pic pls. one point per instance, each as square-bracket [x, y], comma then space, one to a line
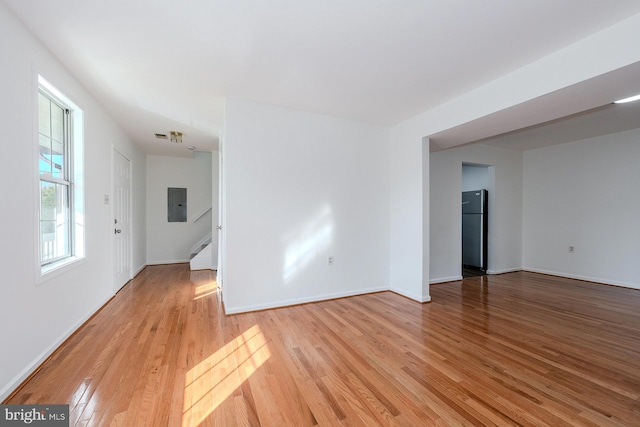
[572, 249]
[330, 260]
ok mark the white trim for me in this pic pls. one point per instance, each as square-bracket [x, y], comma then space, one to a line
[445, 279]
[122, 151]
[297, 301]
[203, 213]
[51, 271]
[585, 278]
[136, 272]
[168, 261]
[415, 297]
[77, 198]
[35, 364]
[504, 270]
[206, 240]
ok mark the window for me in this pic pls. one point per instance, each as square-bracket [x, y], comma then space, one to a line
[60, 221]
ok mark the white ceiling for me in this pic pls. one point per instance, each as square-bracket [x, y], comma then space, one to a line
[607, 119]
[575, 112]
[161, 65]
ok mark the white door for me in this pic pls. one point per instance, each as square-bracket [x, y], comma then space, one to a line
[121, 220]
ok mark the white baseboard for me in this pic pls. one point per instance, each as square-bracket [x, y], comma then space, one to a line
[444, 279]
[170, 261]
[35, 364]
[296, 301]
[415, 297]
[456, 278]
[504, 270]
[585, 278]
[136, 272]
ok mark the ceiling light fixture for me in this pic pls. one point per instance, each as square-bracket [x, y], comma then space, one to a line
[191, 147]
[176, 136]
[630, 99]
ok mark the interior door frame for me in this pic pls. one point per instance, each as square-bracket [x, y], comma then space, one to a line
[490, 235]
[221, 220]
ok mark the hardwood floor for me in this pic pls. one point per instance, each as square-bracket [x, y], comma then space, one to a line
[514, 349]
[472, 272]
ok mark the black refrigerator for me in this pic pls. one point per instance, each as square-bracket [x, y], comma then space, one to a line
[474, 229]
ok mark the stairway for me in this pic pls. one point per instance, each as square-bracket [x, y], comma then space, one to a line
[200, 249]
[201, 256]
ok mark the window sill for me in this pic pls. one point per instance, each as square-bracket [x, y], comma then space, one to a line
[56, 269]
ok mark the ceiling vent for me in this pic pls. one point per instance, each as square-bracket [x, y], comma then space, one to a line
[161, 136]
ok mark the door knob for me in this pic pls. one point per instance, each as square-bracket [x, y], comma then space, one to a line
[116, 231]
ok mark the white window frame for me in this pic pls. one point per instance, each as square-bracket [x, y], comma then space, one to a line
[73, 178]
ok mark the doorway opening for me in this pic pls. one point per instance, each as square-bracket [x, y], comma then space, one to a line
[476, 191]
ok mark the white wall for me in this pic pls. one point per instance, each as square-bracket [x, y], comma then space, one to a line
[505, 209]
[409, 211]
[139, 207]
[411, 239]
[171, 242]
[475, 177]
[614, 47]
[298, 188]
[36, 318]
[584, 194]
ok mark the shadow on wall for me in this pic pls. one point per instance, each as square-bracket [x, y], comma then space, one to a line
[307, 243]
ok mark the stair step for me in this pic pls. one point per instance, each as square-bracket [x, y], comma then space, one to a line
[204, 245]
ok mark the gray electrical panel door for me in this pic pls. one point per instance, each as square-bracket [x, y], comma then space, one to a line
[177, 204]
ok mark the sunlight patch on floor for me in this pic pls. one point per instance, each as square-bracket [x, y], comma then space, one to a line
[214, 379]
[206, 289]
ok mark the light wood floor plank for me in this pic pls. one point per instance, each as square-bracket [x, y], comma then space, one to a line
[519, 349]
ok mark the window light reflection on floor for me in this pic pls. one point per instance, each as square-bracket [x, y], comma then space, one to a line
[206, 289]
[214, 379]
